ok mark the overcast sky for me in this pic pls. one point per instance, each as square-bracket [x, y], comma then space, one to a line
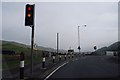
[101, 19]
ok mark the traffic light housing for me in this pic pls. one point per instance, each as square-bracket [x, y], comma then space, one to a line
[29, 15]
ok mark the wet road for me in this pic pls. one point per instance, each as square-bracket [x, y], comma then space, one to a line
[88, 67]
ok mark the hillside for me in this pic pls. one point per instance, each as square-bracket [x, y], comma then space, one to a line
[102, 49]
[18, 47]
[113, 47]
[14, 46]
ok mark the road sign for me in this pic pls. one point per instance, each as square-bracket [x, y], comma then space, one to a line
[95, 47]
[79, 47]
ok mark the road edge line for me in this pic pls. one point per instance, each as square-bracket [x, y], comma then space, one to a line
[55, 71]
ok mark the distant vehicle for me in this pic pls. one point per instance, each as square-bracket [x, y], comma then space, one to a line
[8, 52]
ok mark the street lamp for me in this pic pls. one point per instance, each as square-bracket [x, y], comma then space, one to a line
[79, 37]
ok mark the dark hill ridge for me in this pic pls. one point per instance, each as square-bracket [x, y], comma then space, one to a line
[102, 49]
[113, 47]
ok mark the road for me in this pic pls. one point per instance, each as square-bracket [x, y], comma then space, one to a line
[88, 67]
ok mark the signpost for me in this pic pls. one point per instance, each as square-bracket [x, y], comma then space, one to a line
[29, 21]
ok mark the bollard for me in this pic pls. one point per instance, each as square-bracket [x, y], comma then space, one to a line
[72, 55]
[21, 66]
[53, 59]
[65, 56]
[60, 58]
[69, 56]
[43, 62]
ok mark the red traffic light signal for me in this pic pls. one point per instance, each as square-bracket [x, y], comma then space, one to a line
[29, 8]
[29, 15]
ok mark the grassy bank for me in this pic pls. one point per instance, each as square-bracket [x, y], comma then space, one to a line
[13, 61]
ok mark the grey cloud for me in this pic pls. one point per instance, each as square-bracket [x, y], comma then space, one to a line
[101, 20]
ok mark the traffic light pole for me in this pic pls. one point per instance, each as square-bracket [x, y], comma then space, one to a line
[32, 42]
[29, 21]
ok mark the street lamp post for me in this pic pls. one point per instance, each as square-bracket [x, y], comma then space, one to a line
[78, 40]
[79, 47]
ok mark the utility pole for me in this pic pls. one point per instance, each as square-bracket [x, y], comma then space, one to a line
[79, 47]
[57, 42]
[79, 40]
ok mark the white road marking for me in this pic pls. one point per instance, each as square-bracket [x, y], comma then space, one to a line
[55, 71]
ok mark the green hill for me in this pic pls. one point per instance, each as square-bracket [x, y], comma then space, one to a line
[12, 61]
[17, 47]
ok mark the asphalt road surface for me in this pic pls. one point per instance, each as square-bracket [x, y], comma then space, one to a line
[88, 67]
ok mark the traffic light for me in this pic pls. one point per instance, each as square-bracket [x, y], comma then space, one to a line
[29, 15]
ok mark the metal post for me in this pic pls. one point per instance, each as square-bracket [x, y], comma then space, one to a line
[57, 42]
[21, 66]
[32, 42]
[78, 39]
[53, 59]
